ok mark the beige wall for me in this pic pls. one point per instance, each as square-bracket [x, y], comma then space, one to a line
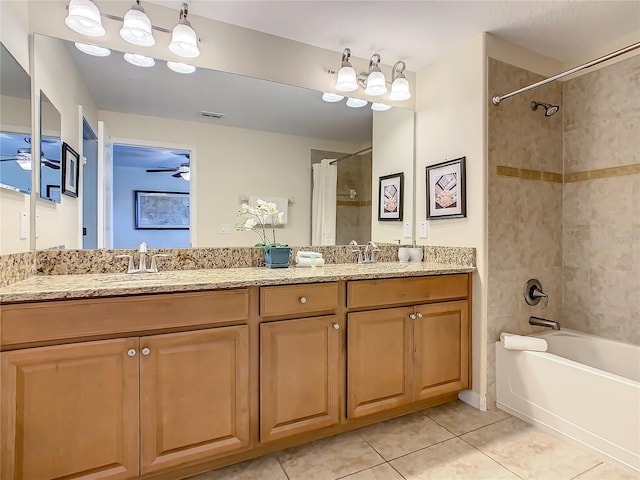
[602, 216]
[393, 152]
[451, 104]
[55, 74]
[224, 168]
[14, 31]
[524, 214]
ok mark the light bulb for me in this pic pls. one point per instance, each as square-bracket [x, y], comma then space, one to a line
[356, 102]
[94, 50]
[400, 89]
[376, 84]
[331, 97]
[139, 60]
[84, 18]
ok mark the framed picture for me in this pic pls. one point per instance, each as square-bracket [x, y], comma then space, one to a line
[53, 192]
[161, 210]
[446, 190]
[70, 170]
[391, 197]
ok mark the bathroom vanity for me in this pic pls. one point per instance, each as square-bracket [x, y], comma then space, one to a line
[173, 374]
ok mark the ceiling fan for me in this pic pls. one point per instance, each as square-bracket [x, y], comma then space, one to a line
[183, 171]
[23, 157]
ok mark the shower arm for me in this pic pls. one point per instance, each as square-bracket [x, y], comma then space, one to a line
[498, 98]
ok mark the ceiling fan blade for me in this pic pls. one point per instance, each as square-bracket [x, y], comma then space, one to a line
[50, 164]
[157, 170]
[8, 159]
[177, 175]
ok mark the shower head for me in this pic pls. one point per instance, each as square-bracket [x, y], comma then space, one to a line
[549, 110]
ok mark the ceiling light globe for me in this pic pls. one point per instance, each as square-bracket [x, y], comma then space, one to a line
[84, 18]
[356, 102]
[136, 28]
[400, 89]
[181, 67]
[184, 41]
[331, 97]
[94, 50]
[139, 60]
[380, 107]
[346, 81]
[23, 159]
[376, 84]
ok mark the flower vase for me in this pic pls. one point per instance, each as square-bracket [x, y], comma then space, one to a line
[277, 257]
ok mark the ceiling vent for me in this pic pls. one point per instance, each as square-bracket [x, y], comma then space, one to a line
[204, 113]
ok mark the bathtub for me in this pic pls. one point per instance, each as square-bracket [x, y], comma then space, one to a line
[585, 387]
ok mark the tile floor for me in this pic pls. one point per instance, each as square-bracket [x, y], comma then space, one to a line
[449, 442]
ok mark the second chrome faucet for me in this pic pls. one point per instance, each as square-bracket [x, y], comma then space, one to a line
[142, 265]
[368, 254]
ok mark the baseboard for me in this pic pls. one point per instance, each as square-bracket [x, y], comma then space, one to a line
[474, 399]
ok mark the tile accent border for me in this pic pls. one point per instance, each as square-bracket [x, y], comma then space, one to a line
[527, 174]
[602, 173]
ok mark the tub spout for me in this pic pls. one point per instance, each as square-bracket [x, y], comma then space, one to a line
[543, 322]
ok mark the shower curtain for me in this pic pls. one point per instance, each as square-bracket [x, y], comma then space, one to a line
[323, 207]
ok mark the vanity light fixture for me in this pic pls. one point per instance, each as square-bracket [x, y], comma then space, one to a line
[181, 67]
[347, 79]
[399, 83]
[84, 18]
[139, 60]
[380, 107]
[331, 97]
[184, 41]
[356, 102]
[94, 50]
[136, 27]
[376, 84]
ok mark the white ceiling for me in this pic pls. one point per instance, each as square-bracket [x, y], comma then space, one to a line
[421, 31]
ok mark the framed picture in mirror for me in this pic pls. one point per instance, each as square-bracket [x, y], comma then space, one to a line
[446, 190]
[161, 210]
[391, 197]
[70, 170]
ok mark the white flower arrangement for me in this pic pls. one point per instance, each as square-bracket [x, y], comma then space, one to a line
[256, 220]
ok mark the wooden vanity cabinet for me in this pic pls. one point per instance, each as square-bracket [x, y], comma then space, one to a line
[401, 355]
[300, 380]
[121, 408]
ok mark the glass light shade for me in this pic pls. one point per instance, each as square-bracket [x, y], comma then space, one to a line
[376, 84]
[181, 67]
[184, 41]
[186, 176]
[84, 18]
[94, 50]
[331, 97]
[346, 81]
[400, 89]
[139, 60]
[356, 102]
[380, 107]
[24, 160]
[136, 28]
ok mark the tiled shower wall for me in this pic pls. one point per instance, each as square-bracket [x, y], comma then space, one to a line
[580, 238]
[601, 236]
[525, 205]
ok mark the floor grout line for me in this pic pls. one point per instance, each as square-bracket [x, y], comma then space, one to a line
[490, 458]
[282, 467]
[587, 470]
[398, 471]
[488, 424]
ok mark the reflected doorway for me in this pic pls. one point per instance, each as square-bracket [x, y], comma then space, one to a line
[90, 186]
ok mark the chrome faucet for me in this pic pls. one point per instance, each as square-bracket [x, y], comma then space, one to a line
[543, 322]
[359, 258]
[142, 266]
[370, 252]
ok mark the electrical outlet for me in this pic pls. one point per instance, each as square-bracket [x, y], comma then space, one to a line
[24, 225]
[37, 226]
[224, 228]
[422, 230]
[407, 230]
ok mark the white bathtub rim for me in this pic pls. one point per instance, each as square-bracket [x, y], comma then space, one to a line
[559, 434]
[577, 333]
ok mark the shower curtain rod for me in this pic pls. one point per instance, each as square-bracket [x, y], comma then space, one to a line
[350, 155]
[497, 99]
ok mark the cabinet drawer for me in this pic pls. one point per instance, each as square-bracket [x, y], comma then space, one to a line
[296, 299]
[67, 319]
[390, 291]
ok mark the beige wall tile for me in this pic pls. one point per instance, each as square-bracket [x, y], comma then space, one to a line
[575, 204]
[505, 246]
[576, 244]
[504, 199]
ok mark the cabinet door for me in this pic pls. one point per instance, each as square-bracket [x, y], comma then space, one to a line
[379, 370]
[194, 396]
[441, 336]
[299, 376]
[70, 411]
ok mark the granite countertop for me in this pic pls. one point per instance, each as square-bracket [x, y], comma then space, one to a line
[55, 287]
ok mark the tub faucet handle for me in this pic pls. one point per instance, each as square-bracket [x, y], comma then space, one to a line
[533, 293]
[536, 293]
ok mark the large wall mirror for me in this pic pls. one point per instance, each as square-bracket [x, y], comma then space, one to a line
[239, 138]
[15, 124]
[50, 150]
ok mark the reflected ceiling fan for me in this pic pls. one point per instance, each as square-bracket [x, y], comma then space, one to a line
[183, 171]
[23, 157]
